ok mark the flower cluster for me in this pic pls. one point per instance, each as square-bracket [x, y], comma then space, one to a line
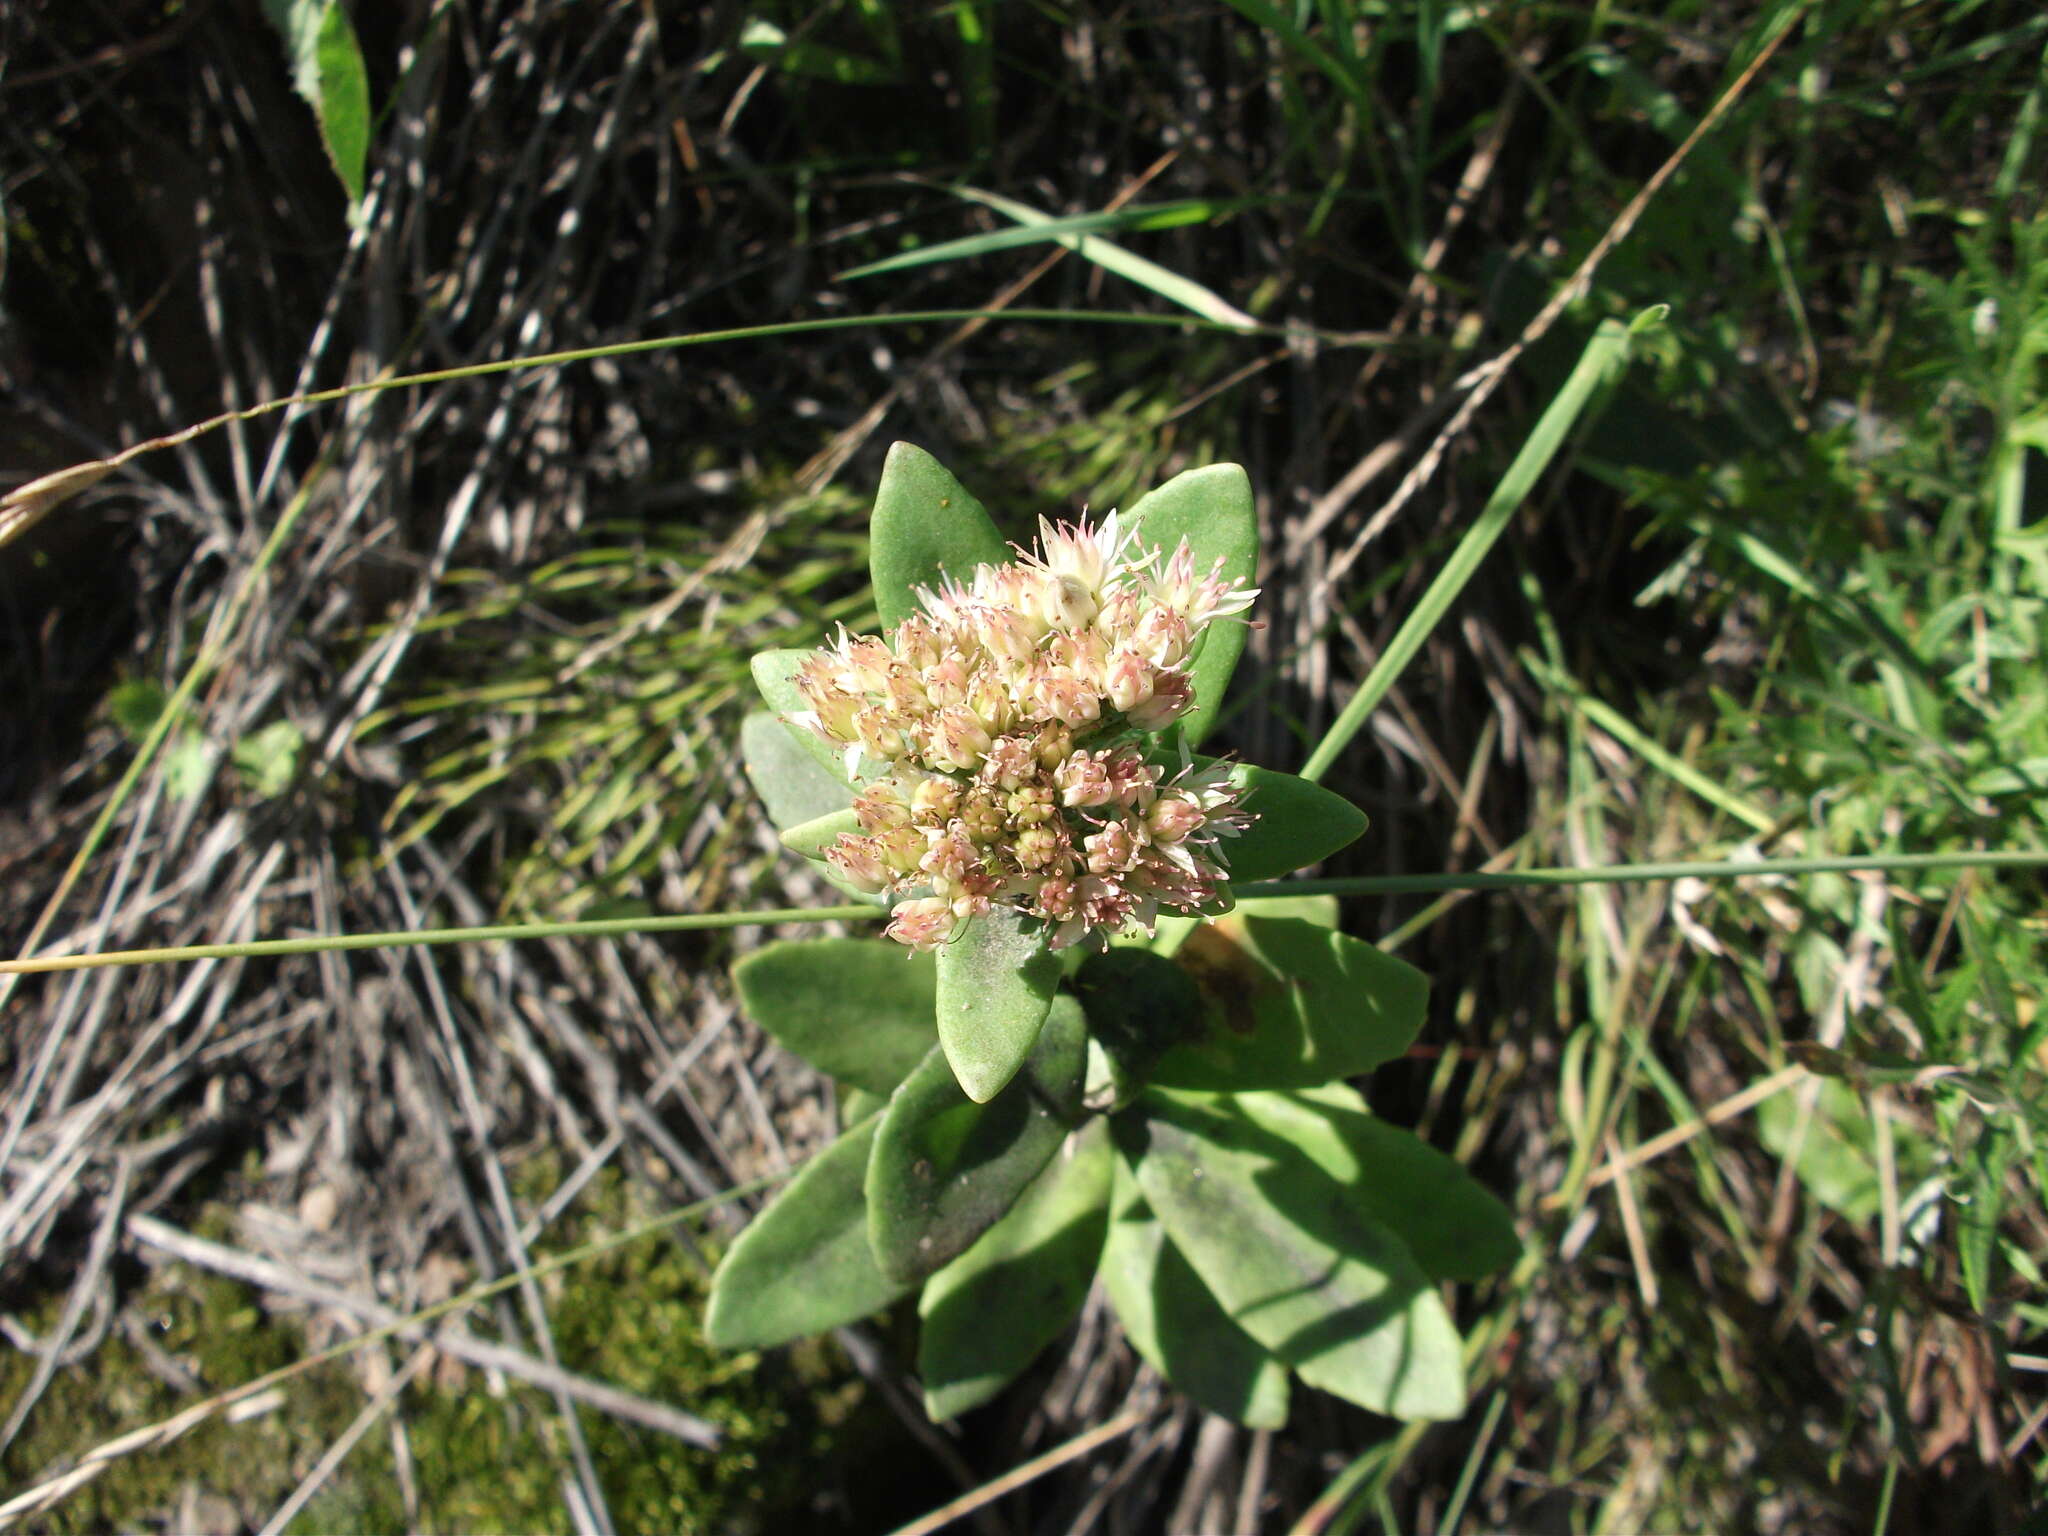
[997, 729]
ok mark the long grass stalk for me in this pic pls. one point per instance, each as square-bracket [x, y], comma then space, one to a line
[25, 505]
[588, 928]
[1616, 874]
[1360, 885]
[1604, 357]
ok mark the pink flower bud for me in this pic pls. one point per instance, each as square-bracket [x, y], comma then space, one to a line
[1173, 695]
[1061, 696]
[948, 856]
[1129, 680]
[918, 644]
[1162, 634]
[881, 806]
[925, 923]
[935, 800]
[879, 735]
[1173, 817]
[1111, 851]
[962, 740]
[946, 682]
[901, 848]
[859, 862]
[1039, 850]
[1006, 635]
[1083, 779]
[1010, 763]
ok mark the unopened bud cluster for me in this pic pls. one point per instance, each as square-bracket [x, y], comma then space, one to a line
[1000, 720]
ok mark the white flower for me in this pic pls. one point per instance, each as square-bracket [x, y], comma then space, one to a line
[980, 712]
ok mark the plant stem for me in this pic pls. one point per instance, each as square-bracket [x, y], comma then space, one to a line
[1365, 885]
[609, 927]
[1704, 869]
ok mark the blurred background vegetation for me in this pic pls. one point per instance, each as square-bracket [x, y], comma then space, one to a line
[1775, 1146]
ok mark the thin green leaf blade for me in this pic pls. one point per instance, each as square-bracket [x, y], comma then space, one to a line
[1293, 1261]
[996, 981]
[1212, 509]
[804, 1264]
[926, 527]
[945, 1168]
[988, 1313]
[859, 1010]
[1176, 1325]
[1168, 285]
[1606, 355]
[1291, 1004]
[1146, 216]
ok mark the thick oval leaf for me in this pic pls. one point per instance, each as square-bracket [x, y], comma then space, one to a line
[858, 1104]
[804, 1264]
[786, 774]
[945, 1168]
[1320, 910]
[926, 527]
[990, 1311]
[1291, 1005]
[1293, 1259]
[1298, 823]
[774, 672]
[996, 980]
[1176, 1325]
[1212, 509]
[1456, 1228]
[860, 1010]
[1139, 1005]
[812, 838]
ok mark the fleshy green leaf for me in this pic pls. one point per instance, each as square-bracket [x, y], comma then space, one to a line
[804, 1264]
[1212, 509]
[991, 1310]
[1293, 1260]
[786, 774]
[945, 1168]
[926, 527]
[1139, 1005]
[859, 1010]
[1454, 1226]
[858, 1104]
[774, 674]
[996, 981]
[1298, 823]
[812, 838]
[1320, 910]
[1174, 930]
[1291, 1005]
[1175, 1324]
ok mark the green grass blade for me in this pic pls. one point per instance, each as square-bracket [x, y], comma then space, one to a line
[1617, 725]
[1138, 217]
[1599, 364]
[1170, 286]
